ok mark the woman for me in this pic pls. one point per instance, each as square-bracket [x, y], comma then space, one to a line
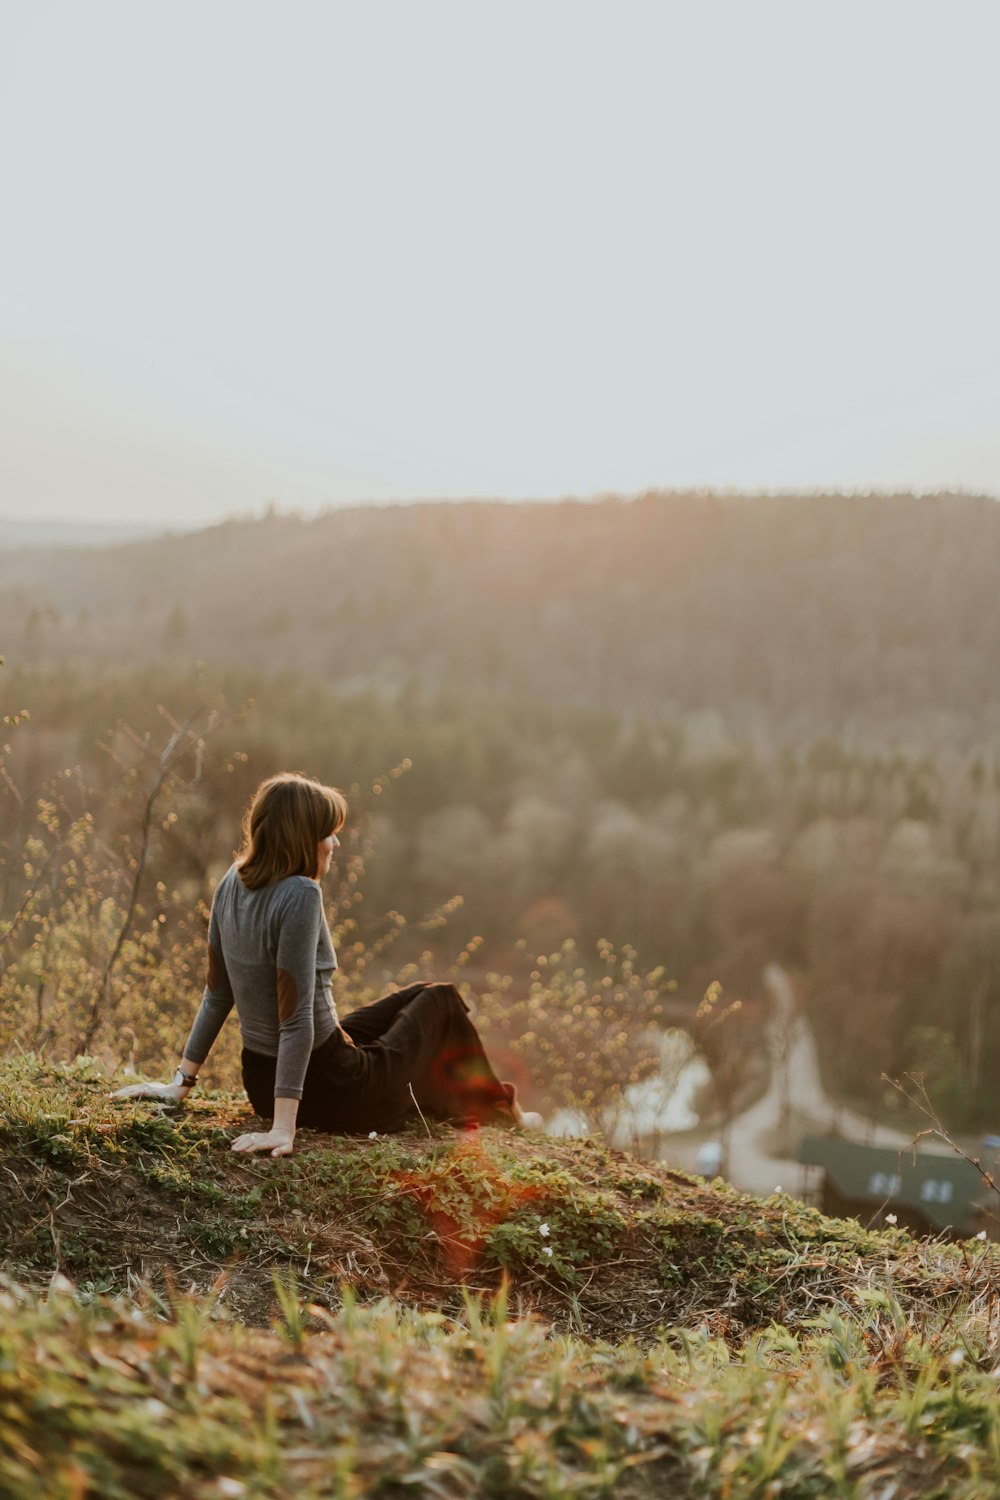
[270, 953]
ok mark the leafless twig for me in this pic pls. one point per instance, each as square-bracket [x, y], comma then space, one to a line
[917, 1095]
[418, 1109]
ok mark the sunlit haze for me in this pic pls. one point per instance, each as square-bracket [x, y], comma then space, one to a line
[317, 253]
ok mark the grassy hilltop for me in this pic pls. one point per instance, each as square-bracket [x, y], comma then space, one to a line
[445, 1315]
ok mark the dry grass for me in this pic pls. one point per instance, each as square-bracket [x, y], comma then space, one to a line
[121, 1400]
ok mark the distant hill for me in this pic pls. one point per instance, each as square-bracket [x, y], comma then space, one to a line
[802, 615]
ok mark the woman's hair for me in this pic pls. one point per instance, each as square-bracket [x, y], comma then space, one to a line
[288, 816]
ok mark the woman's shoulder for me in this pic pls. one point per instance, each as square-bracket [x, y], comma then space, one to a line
[226, 885]
[295, 890]
[289, 887]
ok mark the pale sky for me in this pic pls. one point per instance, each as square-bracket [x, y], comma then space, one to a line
[314, 252]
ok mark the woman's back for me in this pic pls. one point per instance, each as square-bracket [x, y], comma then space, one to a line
[271, 952]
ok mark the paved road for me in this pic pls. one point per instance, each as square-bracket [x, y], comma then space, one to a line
[795, 1089]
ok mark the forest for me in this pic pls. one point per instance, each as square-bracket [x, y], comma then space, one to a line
[623, 752]
[871, 617]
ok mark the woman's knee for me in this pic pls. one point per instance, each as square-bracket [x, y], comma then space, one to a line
[448, 996]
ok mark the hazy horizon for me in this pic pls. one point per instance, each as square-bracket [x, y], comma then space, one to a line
[66, 529]
[324, 255]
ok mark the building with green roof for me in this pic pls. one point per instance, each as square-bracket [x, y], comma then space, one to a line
[928, 1192]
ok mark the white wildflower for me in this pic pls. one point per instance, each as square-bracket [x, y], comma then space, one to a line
[981, 1235]
[544, 1231]
[890, 1218]
[546, 1249]
[956, 1357]
[778, 1188]
[373, 1135]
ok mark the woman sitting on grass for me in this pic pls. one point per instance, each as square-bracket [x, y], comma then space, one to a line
[270, 953]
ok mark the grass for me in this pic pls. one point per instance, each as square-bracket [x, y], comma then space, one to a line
[384, 1318]
[124, 1400]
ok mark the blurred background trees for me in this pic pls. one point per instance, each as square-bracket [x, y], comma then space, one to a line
[724, 731]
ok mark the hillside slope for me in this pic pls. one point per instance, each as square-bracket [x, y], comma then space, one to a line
[457, 1316]
[747, 1349]
[590, 1238]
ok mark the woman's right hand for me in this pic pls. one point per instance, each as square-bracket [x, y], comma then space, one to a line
[167, 1093]
[277, 1140]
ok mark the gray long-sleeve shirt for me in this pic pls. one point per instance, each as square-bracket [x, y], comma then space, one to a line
[271, 952]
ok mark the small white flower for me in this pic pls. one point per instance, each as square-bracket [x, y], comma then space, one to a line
[956, 1357]
[890, 1218]
[373, 1135]
[981, 1235]
[543, 1230]
[546, 1249]
[778, 1188]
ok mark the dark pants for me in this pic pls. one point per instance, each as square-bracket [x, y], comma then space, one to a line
[420, 1038]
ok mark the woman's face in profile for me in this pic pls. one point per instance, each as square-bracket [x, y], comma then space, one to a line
[324, 854]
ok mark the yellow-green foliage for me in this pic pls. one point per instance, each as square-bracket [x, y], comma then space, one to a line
[104, 957]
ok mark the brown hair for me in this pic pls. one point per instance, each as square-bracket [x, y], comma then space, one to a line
[288, 816]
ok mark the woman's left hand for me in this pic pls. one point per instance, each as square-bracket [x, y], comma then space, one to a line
[279, 1142]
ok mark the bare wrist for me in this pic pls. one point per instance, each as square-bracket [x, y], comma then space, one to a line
[285, 1112]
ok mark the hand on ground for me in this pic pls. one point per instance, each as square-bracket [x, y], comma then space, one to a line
[167, 1093]
[278, 1142]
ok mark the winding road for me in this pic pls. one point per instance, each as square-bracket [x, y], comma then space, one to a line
[795, 1103]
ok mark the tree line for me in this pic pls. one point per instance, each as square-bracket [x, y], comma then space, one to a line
[872, 617]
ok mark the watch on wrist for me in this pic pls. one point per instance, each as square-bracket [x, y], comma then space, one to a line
[185, 1080]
